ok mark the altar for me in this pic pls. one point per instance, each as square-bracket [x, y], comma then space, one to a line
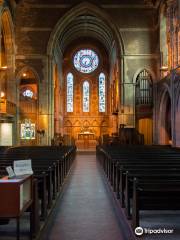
[86, 140]
[86, 135]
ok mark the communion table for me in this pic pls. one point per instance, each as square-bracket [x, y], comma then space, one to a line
[86, 140]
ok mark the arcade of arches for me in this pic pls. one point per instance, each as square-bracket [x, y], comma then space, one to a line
[83, 70]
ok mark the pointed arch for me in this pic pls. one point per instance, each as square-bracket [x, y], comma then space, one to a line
[25, 69]
[144, 86]
[28, 105]
[7, 58]
[104, 123]
[84, 8]
[8, 34]
[68, 123]
[19, 76]
[77, 123]
[86, 123]
[150, 72]
[177, 122]
[95, 123]
[164, 118]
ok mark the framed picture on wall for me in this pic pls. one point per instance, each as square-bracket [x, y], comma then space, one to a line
[27, 130]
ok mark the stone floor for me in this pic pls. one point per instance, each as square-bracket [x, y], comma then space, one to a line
[86, 210]
[8, 231]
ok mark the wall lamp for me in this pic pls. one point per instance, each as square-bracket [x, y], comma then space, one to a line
[3, 68]
[2, 94]
[164, 68]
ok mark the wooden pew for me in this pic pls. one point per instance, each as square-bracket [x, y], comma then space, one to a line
[154, 195]
[123, 164]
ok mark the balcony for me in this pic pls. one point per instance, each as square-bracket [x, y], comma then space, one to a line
[7, 107]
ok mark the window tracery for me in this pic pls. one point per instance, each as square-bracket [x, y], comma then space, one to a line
[86, 61]
[86, 96]
[70, 92]
[102, 97]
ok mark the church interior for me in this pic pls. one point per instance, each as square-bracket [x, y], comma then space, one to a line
[90, 113]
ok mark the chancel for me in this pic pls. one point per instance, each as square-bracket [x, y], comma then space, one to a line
[90, 97]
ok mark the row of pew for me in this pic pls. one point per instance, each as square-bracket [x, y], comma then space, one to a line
[142, 177]
[50, 165]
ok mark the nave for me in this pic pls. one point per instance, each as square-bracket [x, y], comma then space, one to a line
[86, 208]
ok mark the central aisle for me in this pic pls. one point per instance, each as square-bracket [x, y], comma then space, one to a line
[86, 211]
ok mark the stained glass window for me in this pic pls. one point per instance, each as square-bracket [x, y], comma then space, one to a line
[28, 93]
[102, 93]
[86, 60]
[27, 130]
[69, 92]
[86, 96]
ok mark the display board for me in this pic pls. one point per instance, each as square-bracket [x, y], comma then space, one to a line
[6, 134]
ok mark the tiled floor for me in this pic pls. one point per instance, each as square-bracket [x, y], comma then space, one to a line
[86, 211]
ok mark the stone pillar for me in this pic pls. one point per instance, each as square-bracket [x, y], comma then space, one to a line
[1, 7]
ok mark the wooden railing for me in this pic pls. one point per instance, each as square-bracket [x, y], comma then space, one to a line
[7, 107]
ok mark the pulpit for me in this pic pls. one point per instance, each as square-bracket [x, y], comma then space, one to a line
[16, 198]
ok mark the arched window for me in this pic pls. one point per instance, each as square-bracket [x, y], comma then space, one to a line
[69, 92]
[86, 96]
[144, 88]
[102, 92]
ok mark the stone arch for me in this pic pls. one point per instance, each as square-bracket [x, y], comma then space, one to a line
[103, 128]
[86, 124]
[95, 123]
[68, 123]
[19, 75]
[77, 123]
[70, 27]
[82, 8]
[177, 91]
[103, 123]
[29, 108]
[68, 128]
[24, 69]
[177, 118]
[144, 103]
[164, 119]
[8, 33]
[151, 73]
[8, 38]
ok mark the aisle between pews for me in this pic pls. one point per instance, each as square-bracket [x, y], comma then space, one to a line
[86, 210]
